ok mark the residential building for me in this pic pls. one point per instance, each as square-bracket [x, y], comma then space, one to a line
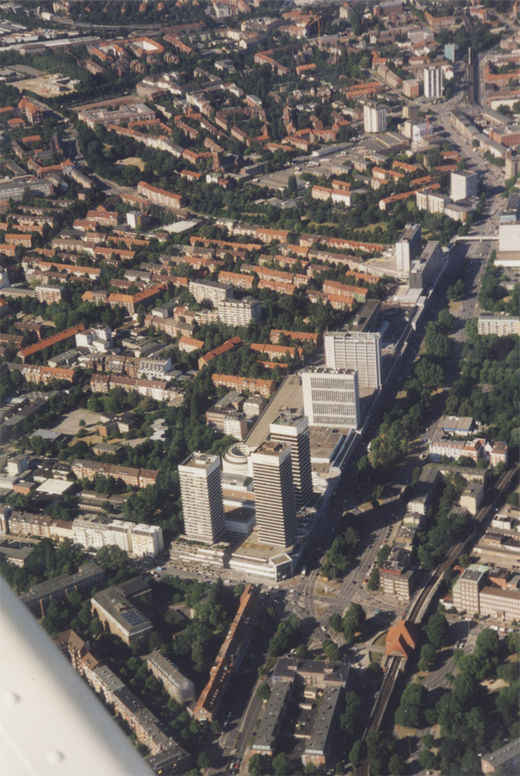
[396, 577]
[463, 185]
[137, 539]
[426, 268]
[466, 590]
[320, 740]
[58, 588]
[331, 397]
[472, 497]
[374, 118]
[117, 609]
[201, 494]
[505, 760]
[253, 384]
[269, 728]
[359, 350]
[500, 325]
[292, 428]
[156, 196]
[137, 478]
[407, 247]
[209, 291]
[432, 82]
[230, 655]
[275, 503]
[239, 312]
[175, 683]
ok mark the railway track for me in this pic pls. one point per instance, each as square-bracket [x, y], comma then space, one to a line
[422, 600]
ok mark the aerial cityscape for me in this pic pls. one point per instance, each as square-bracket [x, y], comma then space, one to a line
[260, 387]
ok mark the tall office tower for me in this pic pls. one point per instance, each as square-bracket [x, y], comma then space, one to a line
[509, 226]
[463, 184]
[407, 247]
[359, 350]
[201, 494]
[432, 82]
[292, 428]
[331, 397]
[274, 494]
[374, 118]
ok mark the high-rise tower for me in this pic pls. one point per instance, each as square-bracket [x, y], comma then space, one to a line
[201, 493]
[359, 350]
[292, 428]
[274, 494]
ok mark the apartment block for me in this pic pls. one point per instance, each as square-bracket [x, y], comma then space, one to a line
[426, 268]
[137, 539]
[239, 312]
[408, 247]
[499, 325]
[432, 82]
[466, 590]
[463, 184]
[209, 291]
[374, 118]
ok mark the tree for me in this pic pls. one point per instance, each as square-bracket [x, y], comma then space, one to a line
[396, 765]
[330, 650]
[373, 579]
[383, 553]
[427, 657]
[411, 709]
[335, 622]
[437, 629]
[203, 760]
[356, 753]
[487, 644]
[281, 764]
[258, 765]
[350, 720]
[263, 691]
[427, 760]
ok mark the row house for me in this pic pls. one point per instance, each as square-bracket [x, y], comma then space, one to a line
[276, 351]
[34, 373]
[342, 290]
[152, 389]
[300, 336]
[48, 342]
[138, 478]
[229, 345]
[173, 327]
[236, 279]
[277, 286]
[48, 294]
[159, 196]
[456, 448]
[190, 344]
[254, 385]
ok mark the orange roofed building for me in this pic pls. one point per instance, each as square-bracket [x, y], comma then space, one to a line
[400, 641]
[229, 656]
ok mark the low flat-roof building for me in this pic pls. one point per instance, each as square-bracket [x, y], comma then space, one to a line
[58, 588]
[175, 683]
[505, 760]
[268, 731]
[115, 606]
